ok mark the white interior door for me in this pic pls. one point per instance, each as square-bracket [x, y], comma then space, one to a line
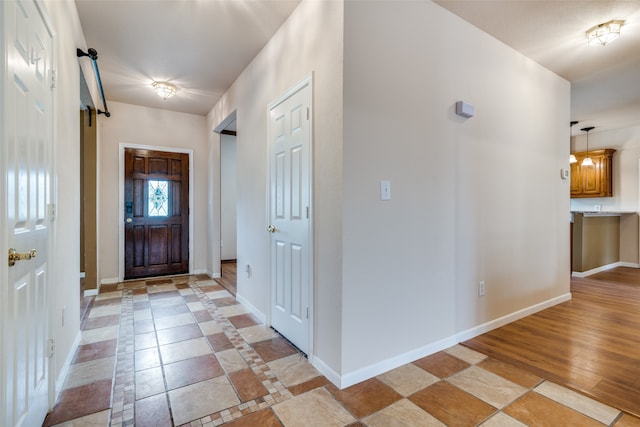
[26, 158]
[289, 216]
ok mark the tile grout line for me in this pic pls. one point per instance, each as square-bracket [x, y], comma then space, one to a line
[123, 394]
[277, 391]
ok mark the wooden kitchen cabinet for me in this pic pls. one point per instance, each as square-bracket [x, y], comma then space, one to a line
[596, 180]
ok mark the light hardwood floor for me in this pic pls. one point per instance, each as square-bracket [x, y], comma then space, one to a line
[590, 344]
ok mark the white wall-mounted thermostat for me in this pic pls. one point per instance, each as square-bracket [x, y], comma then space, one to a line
[564, 173]
[464, 109]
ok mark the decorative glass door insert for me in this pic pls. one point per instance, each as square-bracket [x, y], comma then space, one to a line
[158, 198]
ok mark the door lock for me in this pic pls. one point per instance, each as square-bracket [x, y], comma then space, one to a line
[15, 256]
[271, 229]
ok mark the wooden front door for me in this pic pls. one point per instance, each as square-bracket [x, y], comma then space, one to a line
[156, 204]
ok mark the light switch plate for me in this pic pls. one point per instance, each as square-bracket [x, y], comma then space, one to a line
[385, 190]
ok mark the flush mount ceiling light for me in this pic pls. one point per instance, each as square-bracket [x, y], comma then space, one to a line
[587, 160]
[602, 34]
[164, 90]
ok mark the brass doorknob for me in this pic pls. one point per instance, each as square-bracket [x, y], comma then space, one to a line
[16, 256]
[271, 229]
[129, 220]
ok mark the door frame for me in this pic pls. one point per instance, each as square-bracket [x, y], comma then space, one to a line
[232, 117]
[121, 148]
[306, 81]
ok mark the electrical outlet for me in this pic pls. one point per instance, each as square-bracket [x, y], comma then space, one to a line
[481, 288]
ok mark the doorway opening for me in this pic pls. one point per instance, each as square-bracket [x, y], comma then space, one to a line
[88, 212]
[228, 213]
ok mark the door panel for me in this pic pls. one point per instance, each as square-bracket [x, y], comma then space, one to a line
[156, 213]
[290, 186]
[26, 147]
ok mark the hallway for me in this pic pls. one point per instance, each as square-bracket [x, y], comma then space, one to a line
[183, 351]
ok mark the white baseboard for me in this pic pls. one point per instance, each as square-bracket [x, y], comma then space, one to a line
[512, 317]
[201, 271]
[82, 274]
[629, 264]
[114, 280]
[604, 268]
[90, 292]
[326, 370]
[364, 373]
[378, 368]
[208, 273]
[62, 375]
[252, 308]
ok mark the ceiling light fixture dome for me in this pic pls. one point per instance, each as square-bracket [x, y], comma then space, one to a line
[603, 34]
[164, 90]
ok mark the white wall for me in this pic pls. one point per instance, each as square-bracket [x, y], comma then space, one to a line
[228, 192]
[65, 286]
[626, 142]
[150, 127]
[309, 41]
[472, 199]
[66, 279]
[475, 199]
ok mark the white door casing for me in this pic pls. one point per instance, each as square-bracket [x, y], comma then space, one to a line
[26, 153]
[289, 222]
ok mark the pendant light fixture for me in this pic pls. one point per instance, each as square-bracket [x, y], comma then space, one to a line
[587, 160]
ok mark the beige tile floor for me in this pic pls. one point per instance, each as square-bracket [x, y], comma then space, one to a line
[183, 351]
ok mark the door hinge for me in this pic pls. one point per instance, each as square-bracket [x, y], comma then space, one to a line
[307, 113]
[307, 212]
[52, 347]
[53, 79]
[52, 212]
[307, 312]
